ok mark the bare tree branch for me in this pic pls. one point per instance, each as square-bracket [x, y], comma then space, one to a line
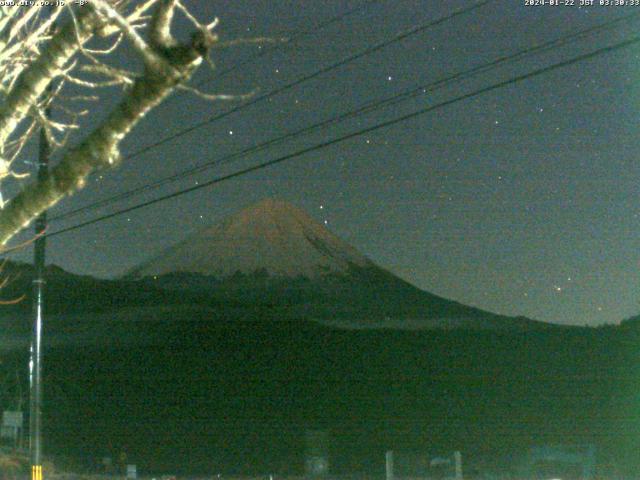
[34, 79]
[215, 96]
[111, 14]
[168, 65]
[25, 71]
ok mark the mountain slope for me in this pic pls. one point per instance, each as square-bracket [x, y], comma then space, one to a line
[269, 262]
[271, 236]
[276, 256]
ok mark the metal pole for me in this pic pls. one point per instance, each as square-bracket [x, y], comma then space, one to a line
[457, 456]
[35, 364]
[389, 465]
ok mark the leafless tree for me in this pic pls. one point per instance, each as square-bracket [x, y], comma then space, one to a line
[49, 54]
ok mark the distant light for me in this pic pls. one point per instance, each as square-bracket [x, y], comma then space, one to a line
[230, 132]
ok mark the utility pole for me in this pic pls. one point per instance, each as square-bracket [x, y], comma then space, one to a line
[389, 465]
[35, 363]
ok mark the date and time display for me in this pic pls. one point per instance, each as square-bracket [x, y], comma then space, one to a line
[582, 3]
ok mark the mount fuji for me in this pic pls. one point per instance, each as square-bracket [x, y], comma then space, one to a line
[266, 324]
[276, 258]
[271, 236]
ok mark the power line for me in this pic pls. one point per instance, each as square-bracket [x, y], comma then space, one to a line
[285, 43]
[289, 42]
[349, 59]
[388, 123]
[365, 109]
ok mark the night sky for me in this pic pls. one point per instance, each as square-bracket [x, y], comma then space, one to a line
[522, 201]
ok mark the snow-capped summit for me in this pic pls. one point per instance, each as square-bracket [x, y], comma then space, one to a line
[312, 274]
[271, 236]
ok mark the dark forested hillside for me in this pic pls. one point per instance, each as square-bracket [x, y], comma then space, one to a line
[132, 366]
[247, 391]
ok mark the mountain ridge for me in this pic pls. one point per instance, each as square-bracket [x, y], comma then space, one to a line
[325, 280]
[271, 235]
[275, 254]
